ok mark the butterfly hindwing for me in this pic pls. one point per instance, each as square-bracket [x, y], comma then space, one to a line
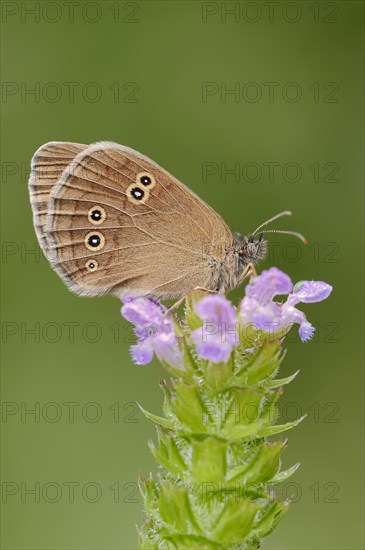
[47, 166]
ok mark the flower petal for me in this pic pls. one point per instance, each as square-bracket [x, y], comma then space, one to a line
[167, 349]
[252, 312]
[216, 308]
[142, 311]
[268, 284]
[142, 353]
[306, 331]
[214, 350]
[312, 291]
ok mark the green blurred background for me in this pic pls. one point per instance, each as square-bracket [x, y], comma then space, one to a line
[153, 75]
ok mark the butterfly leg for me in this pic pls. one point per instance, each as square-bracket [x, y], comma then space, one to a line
[174, 306]
[249, 271]
[202, 289]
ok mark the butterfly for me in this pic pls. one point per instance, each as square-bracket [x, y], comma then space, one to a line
[111, 220]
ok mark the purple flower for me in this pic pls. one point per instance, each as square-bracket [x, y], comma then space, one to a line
[154, 331]
[270, 283]
[218, 335]
[259, 309]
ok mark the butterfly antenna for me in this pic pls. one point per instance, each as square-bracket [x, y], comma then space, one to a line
[299, 235]
[280, 215]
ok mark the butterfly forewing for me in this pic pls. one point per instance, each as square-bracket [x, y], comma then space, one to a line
[118, 222]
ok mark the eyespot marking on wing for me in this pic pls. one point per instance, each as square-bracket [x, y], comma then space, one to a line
[91, 265]
[137, 194]
[146, 179]
[96, 215]
[94, 240]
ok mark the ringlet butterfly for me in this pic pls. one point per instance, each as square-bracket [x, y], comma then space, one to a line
[111, 220]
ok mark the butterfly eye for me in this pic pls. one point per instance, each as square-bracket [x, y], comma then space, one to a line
[146, 179]
[91, 265]
[96, 215]
[94, 241]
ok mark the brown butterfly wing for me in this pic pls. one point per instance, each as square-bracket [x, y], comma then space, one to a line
[47, 166]
[109, 230]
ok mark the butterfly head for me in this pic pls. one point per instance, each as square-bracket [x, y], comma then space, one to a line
[252, 248]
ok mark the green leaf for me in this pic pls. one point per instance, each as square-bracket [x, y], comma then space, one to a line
[189, 363]
[249, 336]
[157, 419]
[189, 407]
[269, 519]
[149, 491]
[168, 406]
[204, 469]
[235, 521]
[285, 474]
[270, 412]
[167, 454]
[176, 373]
[218, 375]
[278, 382]
[273, 430]
[192, 318]
[241, 431]
[262, 364]
[175, 509]
[242, 416]
[262, 467]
